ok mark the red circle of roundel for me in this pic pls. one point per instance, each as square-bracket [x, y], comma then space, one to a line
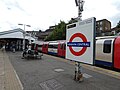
[83, 49]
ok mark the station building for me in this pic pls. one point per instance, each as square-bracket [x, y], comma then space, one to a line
[15, 37]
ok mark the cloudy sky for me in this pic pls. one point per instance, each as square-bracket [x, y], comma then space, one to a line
[41, 14]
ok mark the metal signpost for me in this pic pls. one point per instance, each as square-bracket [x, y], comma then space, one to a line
[79, 4]
[80, 41]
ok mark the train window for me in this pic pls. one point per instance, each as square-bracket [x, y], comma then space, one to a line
[45, 45]
[50, 46]
[64, 46]
[61, 46]
[53, 46]
[107, 46]
[39, 45]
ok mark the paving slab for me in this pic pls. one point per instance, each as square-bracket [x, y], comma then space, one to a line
[8, 77]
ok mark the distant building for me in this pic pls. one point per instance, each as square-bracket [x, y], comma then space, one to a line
[15, 37]
[43, 34]
[115, 31]
[103, 27]
[33, 34]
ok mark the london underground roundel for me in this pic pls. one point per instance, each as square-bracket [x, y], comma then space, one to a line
[78, 44]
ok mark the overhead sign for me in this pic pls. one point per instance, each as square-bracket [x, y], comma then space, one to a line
[80, 41]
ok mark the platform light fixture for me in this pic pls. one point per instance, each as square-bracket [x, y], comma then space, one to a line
[24, 33]
[79, 4]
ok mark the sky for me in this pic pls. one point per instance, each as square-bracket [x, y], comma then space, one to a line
[41, 14]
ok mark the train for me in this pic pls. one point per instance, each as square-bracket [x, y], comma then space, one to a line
[107, 50]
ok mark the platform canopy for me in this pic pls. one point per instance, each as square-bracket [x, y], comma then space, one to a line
[16, 33]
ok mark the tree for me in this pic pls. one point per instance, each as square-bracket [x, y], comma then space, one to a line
[59, 33]
[118, 25]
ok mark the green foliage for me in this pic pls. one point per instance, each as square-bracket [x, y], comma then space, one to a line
[118, 25]
[59, 33]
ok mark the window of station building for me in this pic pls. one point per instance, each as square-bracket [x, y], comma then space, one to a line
[101, 23]
[101, 29]
[98, 23]
[106, 28]
[107, 46]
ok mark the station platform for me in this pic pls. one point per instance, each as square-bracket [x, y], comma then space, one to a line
[108, 72]
[10, 81]
[8, 77]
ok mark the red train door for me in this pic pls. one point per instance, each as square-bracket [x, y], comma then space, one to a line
[61, 49]
[117, 53]
[64, 48]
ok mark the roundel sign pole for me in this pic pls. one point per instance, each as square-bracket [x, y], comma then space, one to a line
[80, 41]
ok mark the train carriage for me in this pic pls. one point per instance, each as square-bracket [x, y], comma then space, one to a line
[45, 47]
[53, 47]
[107, 50]
[117, 53]
[104, 52]
[61, 48]
[40, 44]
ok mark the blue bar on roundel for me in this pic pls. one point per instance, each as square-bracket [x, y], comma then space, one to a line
[78, 44]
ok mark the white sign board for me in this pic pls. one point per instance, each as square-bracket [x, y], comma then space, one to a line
[80, 41]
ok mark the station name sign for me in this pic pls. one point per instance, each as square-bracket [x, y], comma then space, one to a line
[78, 44]
[80, 41]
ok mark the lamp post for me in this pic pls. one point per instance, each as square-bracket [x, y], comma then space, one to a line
[78, 72]
[80, 4]
[24, 34]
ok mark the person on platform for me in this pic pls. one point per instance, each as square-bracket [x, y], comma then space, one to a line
[3, 48]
